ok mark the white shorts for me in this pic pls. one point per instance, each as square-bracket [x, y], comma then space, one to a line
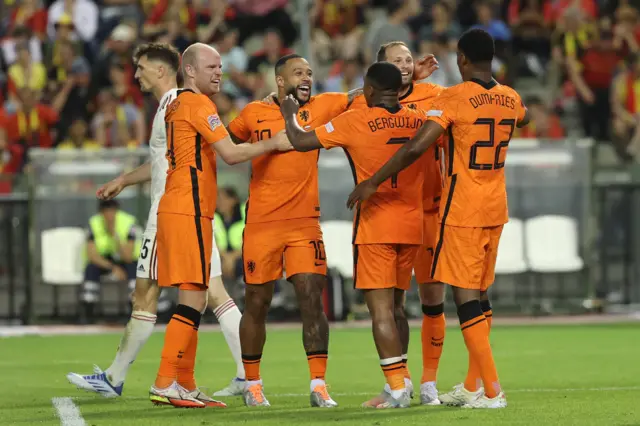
[148, 259]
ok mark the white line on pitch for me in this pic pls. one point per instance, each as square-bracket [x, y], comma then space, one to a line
[68, 412]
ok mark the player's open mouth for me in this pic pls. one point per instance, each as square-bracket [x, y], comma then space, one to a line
[304, 90]
[216, 81]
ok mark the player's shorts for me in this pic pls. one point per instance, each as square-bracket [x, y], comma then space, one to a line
[379, 266]
[466, 257]
[424, 257]
[296, 241]
[184, 246]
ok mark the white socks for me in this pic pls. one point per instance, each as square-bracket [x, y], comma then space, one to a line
[136, 334]
[229, 316]
[317, 382]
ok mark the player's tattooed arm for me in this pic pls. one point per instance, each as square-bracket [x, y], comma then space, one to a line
[403, 158]
[302, 141]
[234, 154]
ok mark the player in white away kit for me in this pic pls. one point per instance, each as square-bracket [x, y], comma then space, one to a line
[157, 67]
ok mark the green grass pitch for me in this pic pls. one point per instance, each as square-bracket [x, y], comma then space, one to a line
[552, 375]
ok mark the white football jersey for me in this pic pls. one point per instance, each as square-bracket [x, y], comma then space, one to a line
[158, 150]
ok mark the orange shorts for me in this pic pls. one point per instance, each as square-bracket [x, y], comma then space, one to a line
[184, 251]
[293, 245]
[466, 257]
[424, 257]
[378, 266]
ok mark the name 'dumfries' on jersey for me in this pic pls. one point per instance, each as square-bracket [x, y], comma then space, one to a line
[497, 99]
[394, 123]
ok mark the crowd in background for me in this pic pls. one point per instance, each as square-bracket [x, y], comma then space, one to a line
[66, 75]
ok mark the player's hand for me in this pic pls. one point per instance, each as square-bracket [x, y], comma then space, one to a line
[282, 142]
[289, 106]
[110, 189]
[269, 100]
[360, 193]
[424, 67]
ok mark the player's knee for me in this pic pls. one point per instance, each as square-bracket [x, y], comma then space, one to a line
[145, 295]
[258, 298]
[216, 294]
[432, 294]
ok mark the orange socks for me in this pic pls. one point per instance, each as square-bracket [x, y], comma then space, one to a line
[187, 364]
[476, 337]
[473, 381]
[317, 364]
[180, 331]
[433, 331]
[394, 372]
[251, 367]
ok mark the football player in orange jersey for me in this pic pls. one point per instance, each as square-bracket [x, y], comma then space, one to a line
[480, 116]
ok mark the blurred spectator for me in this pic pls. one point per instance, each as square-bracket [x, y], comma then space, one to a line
[494, 26]
[261, 74]
[545, 124]
[531, 33]
[25, 72]
[339, 26]
[573, 35]
[84, 14]
[11, 161]
[448, 73]
[126, 91]
[627, 30]
[116, 124]
[251, 17]
[229, 227]
[350, 78]
[30, 14]
[64, 35]
[32, 123]
[177, 34]
[559, 7]
[210, 15]
[21, 36]
[234, 63]
[79, 138]
[625, 101]
[392, 27]
[177, 13]
[226, 107]
[592, 75]
[119, 47]
[72, 96]
[442, 27]
[112, 250]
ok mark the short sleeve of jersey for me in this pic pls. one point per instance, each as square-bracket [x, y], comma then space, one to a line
[339, 132]
[208, 124]
[239, 126]
[334, 103]
[444, 109]
[521, 108]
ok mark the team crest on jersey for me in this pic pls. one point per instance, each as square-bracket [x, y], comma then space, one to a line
[251, 266]
[214, 121]
[413, 106]
[304, 115]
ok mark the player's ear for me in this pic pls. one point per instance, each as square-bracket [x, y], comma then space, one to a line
[280, 81]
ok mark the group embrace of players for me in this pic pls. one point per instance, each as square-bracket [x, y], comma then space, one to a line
[415, 211]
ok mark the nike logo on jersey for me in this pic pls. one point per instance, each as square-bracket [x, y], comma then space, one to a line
[261, 121]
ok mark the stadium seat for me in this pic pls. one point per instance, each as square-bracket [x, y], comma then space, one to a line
[511, 259]
[552, 244]
[337, 236]
[62, 261]
[62, 255]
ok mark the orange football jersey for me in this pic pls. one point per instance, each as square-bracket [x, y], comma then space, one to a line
[421, 96]
[284, 185]
[370, 137]
[192, 124]
[480, 119]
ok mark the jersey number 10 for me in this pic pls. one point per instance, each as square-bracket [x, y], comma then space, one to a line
[491, 143]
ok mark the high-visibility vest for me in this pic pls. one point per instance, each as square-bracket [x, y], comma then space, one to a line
[229, 239]
[105, 243]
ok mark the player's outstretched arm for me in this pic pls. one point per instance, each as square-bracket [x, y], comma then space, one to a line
[234, 154]
[112, 188]
[406, 155]
[302, 141]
